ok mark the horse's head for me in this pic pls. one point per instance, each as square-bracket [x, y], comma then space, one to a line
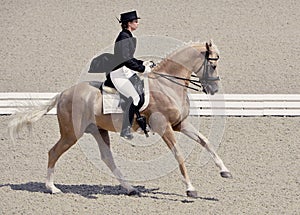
[207, 71]
[199, 58]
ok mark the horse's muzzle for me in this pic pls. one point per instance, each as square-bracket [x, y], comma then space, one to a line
[210, 89]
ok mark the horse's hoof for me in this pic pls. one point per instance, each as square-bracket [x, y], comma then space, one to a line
[53, 189]
[191, 193]
[56, 191]
[226, 175]
[134, 193]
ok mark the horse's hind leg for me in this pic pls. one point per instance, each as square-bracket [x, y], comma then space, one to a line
[68, 138]
[189, 130]
[74, 113]
[64, 143]
[170, 140]
[102, 138]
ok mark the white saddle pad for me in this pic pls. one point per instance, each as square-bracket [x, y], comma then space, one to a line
[111, 100]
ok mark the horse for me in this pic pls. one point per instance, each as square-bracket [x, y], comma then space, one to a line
[79, 111]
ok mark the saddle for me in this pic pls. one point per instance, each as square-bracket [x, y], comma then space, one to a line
[114, 102]
[105, 63]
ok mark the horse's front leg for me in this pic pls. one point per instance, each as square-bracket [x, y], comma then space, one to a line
[103, 141]
[189, 130]
[170, 140]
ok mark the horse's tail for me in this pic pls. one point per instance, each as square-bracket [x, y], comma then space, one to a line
[28, 117]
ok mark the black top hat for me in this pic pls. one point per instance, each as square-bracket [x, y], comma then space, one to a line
[128, 16]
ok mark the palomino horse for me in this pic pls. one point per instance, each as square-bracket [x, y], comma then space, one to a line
[79, 111]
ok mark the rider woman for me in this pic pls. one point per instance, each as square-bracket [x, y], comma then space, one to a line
[122, 75]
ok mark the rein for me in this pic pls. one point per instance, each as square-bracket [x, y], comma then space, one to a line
[204, 78]
[169, 78]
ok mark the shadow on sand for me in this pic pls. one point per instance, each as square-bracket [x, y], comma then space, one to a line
[90, 191]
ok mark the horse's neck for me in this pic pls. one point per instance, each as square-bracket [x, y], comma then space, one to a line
[182, 62]
[174, 68]
[172, 87]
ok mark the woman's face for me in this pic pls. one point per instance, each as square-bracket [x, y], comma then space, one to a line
[133, 25]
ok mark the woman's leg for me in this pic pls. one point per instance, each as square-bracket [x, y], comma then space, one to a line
[124, 85]
[126, 88]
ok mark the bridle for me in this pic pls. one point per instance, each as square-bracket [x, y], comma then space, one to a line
[201, 82]
[206, 79]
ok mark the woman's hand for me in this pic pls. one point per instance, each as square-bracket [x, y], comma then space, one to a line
[150, 63]
[147, 69]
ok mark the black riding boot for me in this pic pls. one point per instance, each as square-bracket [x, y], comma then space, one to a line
[141, 120]
[127, 121]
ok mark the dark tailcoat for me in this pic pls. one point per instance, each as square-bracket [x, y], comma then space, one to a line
[124, 49]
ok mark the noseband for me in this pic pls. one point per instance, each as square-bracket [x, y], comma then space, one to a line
[204, 80]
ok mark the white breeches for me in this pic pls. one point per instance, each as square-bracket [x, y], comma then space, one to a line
[120, 79]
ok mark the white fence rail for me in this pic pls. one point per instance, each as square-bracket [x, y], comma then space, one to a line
[245, 104]
[13, 102]
[201, 104]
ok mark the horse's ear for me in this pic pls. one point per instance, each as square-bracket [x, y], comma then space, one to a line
[207, 46]
[211, 42]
